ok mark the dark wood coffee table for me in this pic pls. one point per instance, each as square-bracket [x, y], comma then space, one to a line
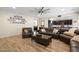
[42, 39]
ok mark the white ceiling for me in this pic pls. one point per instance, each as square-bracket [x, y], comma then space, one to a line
[33, 11]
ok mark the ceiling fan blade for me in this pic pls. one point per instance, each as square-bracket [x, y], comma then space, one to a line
[42, 8]
[36, 9]
[46, 10]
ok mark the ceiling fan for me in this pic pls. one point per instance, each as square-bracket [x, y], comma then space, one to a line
[42, 10]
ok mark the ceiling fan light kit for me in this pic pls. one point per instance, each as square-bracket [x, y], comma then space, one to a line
[42, 10]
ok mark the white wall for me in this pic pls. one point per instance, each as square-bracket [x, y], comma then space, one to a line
[8, 29]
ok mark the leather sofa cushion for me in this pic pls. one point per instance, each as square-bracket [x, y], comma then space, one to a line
[62, 30]
[65, 36]
[50, 30]
[46, 36]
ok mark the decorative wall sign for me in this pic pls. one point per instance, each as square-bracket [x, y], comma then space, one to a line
[17, 20]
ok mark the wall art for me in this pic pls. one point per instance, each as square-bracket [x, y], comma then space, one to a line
[17, 20]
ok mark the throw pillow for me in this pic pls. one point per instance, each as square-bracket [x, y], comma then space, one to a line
[55, 30]
[25, 31]
[43, 30]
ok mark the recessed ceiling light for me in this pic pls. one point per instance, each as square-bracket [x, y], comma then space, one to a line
[51, 19]
[14, 7]
[62, 9]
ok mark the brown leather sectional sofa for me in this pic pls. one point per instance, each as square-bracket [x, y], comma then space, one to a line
[59, 35]
[74, 46]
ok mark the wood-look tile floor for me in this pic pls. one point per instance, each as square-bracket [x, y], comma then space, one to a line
[17, 44]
